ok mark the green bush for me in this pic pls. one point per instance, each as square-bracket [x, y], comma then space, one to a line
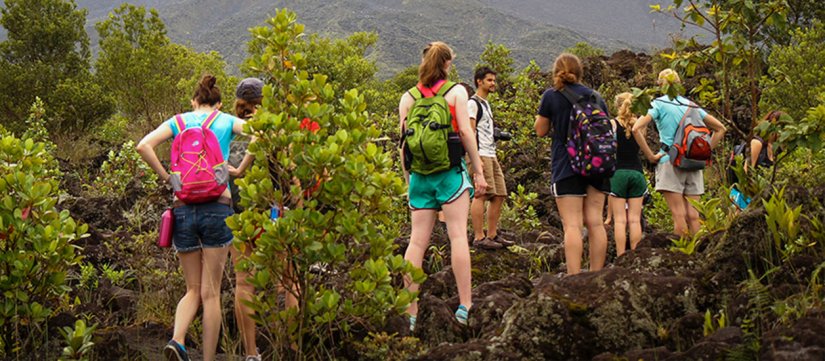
[121, 171]
[78, 340]
[36, 242]
[344, 228]
[520, 214]
[796, 74]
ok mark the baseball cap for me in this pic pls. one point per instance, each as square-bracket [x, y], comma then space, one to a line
[249, 89]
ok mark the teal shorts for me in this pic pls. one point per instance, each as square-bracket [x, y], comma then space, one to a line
[431, 191]
[628, 183]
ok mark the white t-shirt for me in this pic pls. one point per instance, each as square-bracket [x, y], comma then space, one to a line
[484, 126]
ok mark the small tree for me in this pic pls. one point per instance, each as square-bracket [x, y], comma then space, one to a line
[36, 243]
[150, 77]
[315, 156]
[796, 73]
[738, 30]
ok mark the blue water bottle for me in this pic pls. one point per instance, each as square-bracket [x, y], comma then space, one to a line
[275, 212]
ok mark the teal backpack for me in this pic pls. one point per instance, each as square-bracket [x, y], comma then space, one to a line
[431, 143]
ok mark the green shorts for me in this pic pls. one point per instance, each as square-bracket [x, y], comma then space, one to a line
[628, 183]
[434, 190]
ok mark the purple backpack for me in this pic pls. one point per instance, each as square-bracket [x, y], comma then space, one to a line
[591, 140]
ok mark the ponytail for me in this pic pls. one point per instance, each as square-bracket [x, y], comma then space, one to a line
[207, 93]
[433, 59]
[624, 101]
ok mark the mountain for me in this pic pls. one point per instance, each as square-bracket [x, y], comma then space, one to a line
[532, 29]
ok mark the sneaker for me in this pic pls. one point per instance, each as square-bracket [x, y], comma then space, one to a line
[488, 244]
[175, 352]
[461, 314]
[504, 242]
[253, 358]
[412, 323]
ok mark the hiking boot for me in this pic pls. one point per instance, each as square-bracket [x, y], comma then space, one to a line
[504, 242]
[175, 352]
[488, 244]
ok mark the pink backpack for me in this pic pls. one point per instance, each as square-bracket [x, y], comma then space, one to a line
[199, 172]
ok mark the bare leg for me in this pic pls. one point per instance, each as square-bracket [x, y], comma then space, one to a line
[609, 219]
[634, 220]
[456, 215]
[570, 210]
[678, 211]
[493, 215]
[597, 236]
[422, 228]
[693, 219]
[477, 213]
[188, 305]
[244, 292]
[617, 205]
[214, 260]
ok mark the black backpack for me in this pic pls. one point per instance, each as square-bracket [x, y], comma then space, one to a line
[738, 149]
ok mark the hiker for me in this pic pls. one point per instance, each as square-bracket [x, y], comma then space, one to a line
[628, 184]
[677, 183]
[248, 97]
[201, 237]
[579, 199]
[481, 121]
[761, 147]
[437, 110]
[756, 153]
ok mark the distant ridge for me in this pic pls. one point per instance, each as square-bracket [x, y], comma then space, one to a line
[404, 26]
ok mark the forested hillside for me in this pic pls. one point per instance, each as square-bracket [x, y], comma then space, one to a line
[401, 25]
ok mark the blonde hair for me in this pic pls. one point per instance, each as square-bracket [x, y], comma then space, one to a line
[668, 77]
[567, 69]
[433, 59]
[626, 117]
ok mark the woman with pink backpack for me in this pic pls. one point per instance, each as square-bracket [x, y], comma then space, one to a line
[199, 175]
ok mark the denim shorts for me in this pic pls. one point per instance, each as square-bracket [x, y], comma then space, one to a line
[200, 226]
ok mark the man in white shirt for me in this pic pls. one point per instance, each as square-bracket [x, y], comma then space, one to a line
[481, 119]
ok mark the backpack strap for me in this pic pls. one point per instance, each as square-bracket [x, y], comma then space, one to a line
[179, 124]
[210, 119]
[443, 87]
[571, 96]
[415, 93]
[480, 111]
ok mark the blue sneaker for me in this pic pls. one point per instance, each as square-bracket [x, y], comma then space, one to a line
[175, 352]
[412, 323]
[461, 314]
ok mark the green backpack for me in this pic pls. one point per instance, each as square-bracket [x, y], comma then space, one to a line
[431, 143]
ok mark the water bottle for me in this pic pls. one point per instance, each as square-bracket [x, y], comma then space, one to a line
[167, 225]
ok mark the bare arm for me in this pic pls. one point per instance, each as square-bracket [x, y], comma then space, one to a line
[146, 149]
[756, 147]
[404, 108]
[468, 138]
[542, 126]
[718, 130]
[639, 130]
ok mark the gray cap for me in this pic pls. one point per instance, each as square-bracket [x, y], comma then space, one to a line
[249, 89]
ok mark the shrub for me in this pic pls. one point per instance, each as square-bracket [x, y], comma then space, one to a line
[520, 214]
[36, 242]
[120, 170]
[338, 215]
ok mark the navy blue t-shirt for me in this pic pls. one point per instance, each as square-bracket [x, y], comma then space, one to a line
[557, 108]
